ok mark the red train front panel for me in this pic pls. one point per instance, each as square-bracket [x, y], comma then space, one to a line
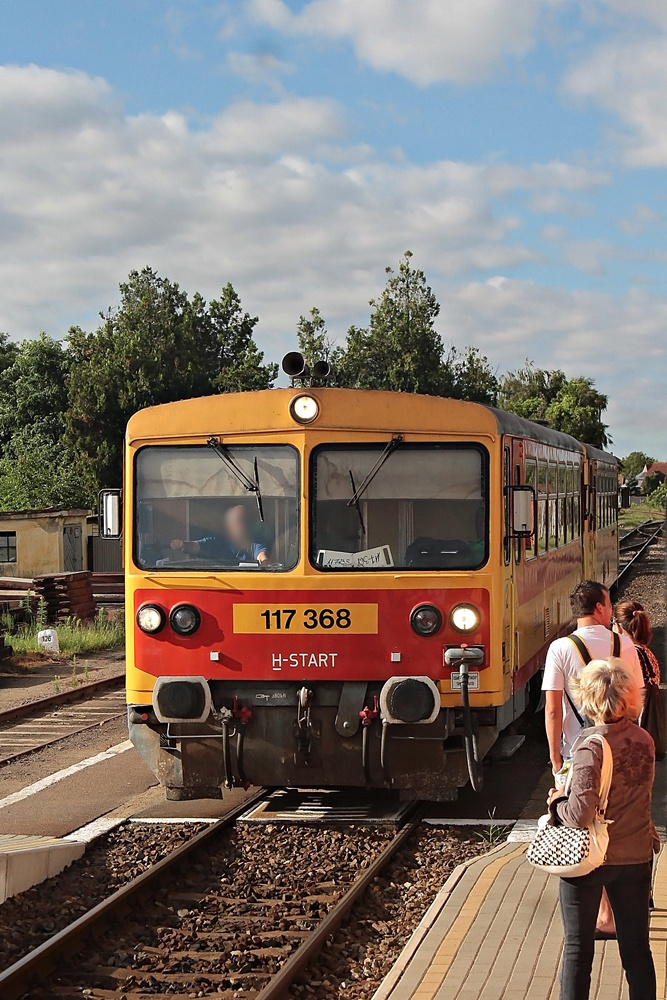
[340, 635]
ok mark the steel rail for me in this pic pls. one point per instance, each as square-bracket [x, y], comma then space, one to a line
[16, 979]
[653, 537]
[27, 751]
[277, 988]
[62, 698]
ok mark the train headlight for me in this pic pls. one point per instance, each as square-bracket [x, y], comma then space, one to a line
[304, 408]
[465, 618]
[151, 619]
[425, 619]
[184, 619]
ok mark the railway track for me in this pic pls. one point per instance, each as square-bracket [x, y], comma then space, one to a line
[635, 544]
[215, 926]
[38, 724]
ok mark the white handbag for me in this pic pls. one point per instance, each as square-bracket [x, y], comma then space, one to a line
[570, 851]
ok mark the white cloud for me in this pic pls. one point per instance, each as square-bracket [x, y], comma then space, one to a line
[425, 41]
[629, 78]
[617, 340]
[271, 197]
[268, 196]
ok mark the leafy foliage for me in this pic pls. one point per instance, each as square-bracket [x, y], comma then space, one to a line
[156, 347]
[402, 351]
[573, 405]
[37, 469]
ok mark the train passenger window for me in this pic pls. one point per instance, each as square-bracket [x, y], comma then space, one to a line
[423, 507]
[531, 480]
[542, 521]
[562, 504]
[232, 508]
[576, 511]
[553, 506]
[569, 485]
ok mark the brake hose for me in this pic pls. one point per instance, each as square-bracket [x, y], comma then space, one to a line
[469, 736]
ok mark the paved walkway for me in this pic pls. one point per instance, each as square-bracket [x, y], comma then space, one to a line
[494, 933]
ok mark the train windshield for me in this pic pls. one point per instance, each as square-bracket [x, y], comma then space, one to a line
[228, 508]
[414, 506]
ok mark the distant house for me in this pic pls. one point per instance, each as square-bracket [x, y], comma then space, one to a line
[36, 542]
[656, 468]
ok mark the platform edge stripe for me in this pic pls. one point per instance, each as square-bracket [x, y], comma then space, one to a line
[412, 945]
[464, 921]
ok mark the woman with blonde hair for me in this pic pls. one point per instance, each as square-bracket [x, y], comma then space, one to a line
[611, 698]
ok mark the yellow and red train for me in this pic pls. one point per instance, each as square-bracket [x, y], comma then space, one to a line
[331, 587]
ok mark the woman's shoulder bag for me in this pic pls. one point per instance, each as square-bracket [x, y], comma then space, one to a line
[570, 851]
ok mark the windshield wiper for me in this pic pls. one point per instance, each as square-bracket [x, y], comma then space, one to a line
[360, 490]
[246, 482]
[355, 503]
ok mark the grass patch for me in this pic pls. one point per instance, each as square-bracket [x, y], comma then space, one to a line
[639, 513]
[75, 637]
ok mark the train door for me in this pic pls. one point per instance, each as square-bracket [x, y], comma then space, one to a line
[513, 459]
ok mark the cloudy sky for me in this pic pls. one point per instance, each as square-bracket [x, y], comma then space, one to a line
[297, 147]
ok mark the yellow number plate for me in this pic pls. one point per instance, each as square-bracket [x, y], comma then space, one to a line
[302, 619]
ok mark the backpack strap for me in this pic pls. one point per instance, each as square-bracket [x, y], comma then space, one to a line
[615, 644]
[582, 648]
[582, 722]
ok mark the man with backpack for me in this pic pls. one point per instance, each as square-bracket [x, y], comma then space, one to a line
[566, 658]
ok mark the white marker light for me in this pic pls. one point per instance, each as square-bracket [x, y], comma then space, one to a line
[304, 409]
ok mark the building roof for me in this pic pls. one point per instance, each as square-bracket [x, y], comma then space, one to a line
[45, 512]
[660, 467]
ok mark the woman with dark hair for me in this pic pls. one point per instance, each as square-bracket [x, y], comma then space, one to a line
[636, 624]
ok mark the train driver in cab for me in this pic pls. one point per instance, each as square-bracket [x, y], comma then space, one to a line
[236, 544]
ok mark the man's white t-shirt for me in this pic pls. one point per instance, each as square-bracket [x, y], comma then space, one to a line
[564, 662]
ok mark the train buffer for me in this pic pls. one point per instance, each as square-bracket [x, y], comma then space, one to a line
[494, 932]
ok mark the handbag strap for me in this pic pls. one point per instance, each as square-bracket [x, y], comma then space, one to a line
[606, 774]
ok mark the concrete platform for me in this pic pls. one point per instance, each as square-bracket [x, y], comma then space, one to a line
[26, 861]
[494, 931]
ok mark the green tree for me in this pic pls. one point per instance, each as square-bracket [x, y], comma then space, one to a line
[42, 475]
[530, 391]
[400, 350]
[652, 482]
[634, 463]
[472, 376]
[234, 362]
[156, 347]
[37, 469]
[573, 406]
[33, 392]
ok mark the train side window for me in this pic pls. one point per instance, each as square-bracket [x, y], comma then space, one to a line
[542, 526]
[569, 492]
[562, 504]
[576, 503]
[553, 506]
[531, 480]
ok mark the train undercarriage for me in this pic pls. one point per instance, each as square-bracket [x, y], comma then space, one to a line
[392, 735]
